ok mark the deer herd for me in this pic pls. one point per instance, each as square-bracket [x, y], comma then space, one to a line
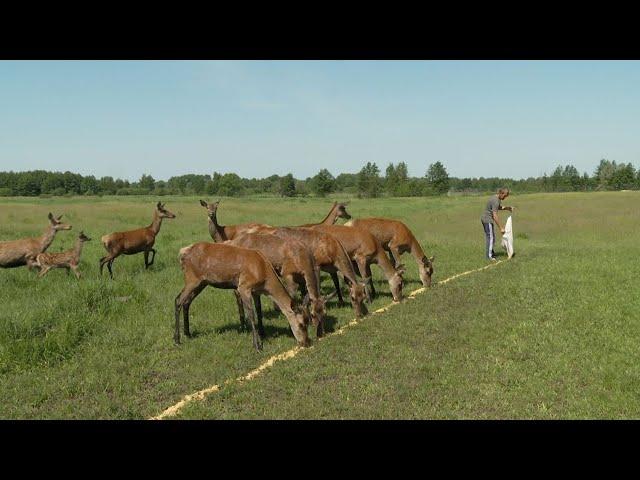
[255, 259]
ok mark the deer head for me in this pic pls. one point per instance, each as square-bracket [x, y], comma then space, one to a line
[341, 210]
[396, 282]
[163, 212]
[56, 224]
[426, 270]
[212, 208]
[357, 295]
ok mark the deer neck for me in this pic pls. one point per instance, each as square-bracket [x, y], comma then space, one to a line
[385, 264]
[331, 218]
[344, 264]
[416, 250]
[156, 223]
[216, 231]
[47, 238]
[78, 249]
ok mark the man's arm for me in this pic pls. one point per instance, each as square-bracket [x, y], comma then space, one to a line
[496, 221]
[505, 208]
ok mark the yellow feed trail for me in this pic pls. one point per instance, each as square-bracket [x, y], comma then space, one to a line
[201, 394]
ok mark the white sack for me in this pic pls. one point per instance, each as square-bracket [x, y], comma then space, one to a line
[507, 238]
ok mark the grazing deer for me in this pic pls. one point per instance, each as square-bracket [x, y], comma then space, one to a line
[221, 265]
[134, 241]
[330, 256]
[295, 264]
[364, 249]
[16, 253]
[396, 238]
[221, 233]
[69, 259]
[338, 210]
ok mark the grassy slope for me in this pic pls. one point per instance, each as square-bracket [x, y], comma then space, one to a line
[549, 334]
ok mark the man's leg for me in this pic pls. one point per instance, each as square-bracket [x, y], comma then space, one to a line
[487, 239]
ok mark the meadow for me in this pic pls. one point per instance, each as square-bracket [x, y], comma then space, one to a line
[551, 333]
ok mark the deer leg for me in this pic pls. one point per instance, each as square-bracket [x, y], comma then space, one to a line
[183, 297]
[395, 256]
[258, 304]
[368, 272]
[362, 269]
[185, 307]
[336, 283]
[43, 271]
[109, 267]
[76, 271]
[146, 259]
[153, 258]
[245, 294]
[243, 320]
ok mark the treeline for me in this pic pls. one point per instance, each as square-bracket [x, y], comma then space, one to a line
[368, 182]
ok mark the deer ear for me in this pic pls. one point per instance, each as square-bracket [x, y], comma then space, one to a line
[59, 217]
[400, 269]
[431, 259]
[50, 216]
[203, 203]
[158, 205]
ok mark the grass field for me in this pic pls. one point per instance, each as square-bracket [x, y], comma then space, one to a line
[552, 333]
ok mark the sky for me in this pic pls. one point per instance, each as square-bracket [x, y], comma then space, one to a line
[257, 118]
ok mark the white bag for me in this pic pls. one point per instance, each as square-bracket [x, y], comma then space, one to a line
[507, 238]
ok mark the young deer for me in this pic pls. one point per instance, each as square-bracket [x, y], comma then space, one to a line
[396, 239]
[220, 233]
[69, 259]
[16, 253]
[134, 241]
[330, 256]
[221, 265]
[295, 264]
[364, 249]
[338, 210]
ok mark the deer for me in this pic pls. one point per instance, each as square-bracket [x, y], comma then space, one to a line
[134, 241]
[69, 259]
[396, 239]
[16, 253]
[294, 263]
[330, 256]
[221, 233]
[338, 210]
[364, 249]
[225, 266]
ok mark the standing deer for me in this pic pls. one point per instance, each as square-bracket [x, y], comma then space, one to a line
[221, 233]
[295, 264]
[364, 249]
[330, 256]
[396, 239]
[134, 241]
[16, 253]
[221, 265]
[69, 259]
[338, 210]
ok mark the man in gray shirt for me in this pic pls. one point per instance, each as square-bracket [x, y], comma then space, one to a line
[490, 216]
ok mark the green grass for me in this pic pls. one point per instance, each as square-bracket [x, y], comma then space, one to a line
[549, 334]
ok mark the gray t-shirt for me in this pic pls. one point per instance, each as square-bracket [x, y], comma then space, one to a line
[493, 205]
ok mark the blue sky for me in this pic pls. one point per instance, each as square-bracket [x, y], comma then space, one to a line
[479, 118]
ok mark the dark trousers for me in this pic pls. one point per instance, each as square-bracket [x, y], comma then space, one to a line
[490, 238]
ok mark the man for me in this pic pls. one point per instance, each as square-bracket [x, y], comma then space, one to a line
[490, 216]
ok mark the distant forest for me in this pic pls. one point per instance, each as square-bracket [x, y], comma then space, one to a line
[368, 182]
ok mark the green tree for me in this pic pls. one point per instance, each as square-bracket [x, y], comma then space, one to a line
[369, 182]
[438, 178]
[147, 182]
[287, 186]
[323, 183]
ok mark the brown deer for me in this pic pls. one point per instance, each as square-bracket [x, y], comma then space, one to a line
[295, 264]
[396, 238]
[69, 259]
[364, 249]
[16, 253]
[338, 210]
[221, 233]
[221, 265]
[134, 241]
[330, 256]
